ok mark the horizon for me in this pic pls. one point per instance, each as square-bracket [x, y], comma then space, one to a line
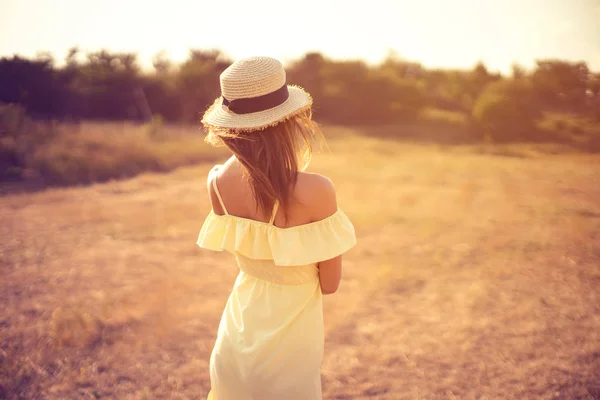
[432, 33]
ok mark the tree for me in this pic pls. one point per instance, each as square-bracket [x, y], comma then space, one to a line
[198, 82]
[561, 85]
[518, 72]
[162, 65]
[308, 73]
[476, 81]
[108, 83]
[505, 111]
[31, 83]
[593, 93]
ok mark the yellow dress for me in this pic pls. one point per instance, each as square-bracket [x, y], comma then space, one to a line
[270, 339]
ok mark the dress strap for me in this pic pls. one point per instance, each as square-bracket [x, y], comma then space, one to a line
[275, 207]
[214, 184]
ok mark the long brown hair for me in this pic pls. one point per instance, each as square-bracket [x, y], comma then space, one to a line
[272, 157]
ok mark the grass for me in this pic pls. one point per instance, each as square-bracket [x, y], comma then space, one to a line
[98, 152]
[100, 155]
[38, 155]
[475, 276]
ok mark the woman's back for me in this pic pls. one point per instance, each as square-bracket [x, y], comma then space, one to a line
[312, 197]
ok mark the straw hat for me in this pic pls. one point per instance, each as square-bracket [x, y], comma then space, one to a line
[255, 95]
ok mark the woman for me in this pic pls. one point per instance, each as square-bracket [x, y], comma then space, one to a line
[285, 230]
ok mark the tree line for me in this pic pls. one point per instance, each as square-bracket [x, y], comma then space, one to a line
[105, 85]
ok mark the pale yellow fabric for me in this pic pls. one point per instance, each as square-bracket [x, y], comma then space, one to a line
[270, 339]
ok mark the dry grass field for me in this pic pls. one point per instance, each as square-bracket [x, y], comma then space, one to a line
[476, 276]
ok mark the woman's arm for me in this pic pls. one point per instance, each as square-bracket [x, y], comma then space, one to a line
[330, 275]
[325, 205]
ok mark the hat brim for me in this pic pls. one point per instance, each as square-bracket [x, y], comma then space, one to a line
[220, 116]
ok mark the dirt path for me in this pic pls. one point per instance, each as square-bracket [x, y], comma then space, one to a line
[475, 276]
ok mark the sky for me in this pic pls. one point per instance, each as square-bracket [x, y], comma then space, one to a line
[440, 33]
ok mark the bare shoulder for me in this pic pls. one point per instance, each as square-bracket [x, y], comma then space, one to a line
[211, 175]
[317, 193]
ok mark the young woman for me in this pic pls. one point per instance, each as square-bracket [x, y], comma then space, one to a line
[285, 230]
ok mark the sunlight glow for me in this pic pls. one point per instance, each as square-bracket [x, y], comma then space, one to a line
[439, 33]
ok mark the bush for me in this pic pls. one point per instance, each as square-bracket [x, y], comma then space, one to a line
[19, 139]
[12, 119]
[505, 111]
[577, 130]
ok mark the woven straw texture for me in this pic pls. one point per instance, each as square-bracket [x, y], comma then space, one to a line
[253, 77]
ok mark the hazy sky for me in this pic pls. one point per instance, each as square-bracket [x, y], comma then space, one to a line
[442, 33]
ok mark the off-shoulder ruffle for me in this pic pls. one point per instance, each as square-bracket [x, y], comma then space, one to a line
[297, 245]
